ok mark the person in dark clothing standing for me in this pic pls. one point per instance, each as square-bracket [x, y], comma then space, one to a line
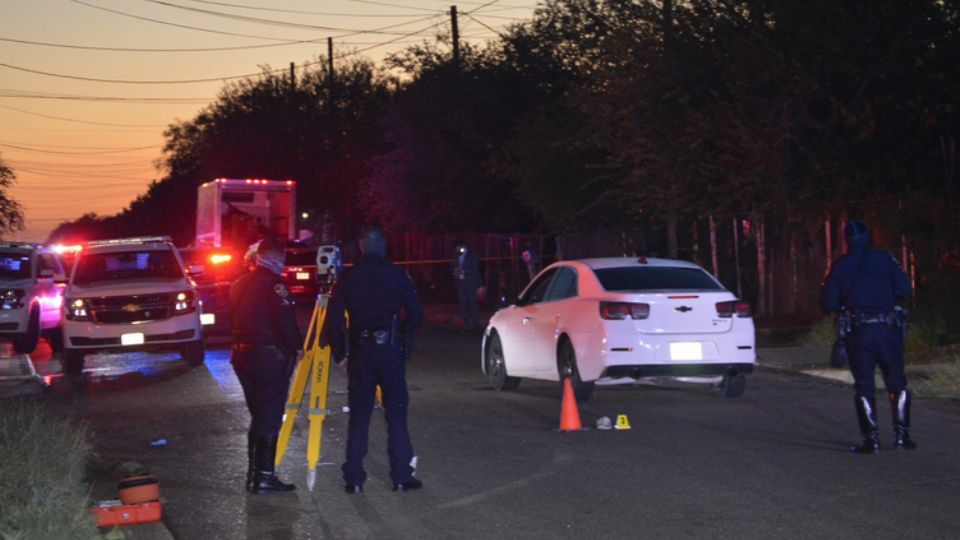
[864, 286]
[266, 344]
[466, 271]
[383, 313]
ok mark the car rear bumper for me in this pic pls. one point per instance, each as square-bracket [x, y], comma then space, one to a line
[675, 370]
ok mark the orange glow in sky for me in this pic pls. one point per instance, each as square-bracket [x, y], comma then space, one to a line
[87, 87]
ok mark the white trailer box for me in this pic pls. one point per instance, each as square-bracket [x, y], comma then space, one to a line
[237, 212]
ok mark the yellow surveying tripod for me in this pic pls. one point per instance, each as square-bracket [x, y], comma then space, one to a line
[315, 365]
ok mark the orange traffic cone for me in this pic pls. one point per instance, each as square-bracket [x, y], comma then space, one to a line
[569, 415]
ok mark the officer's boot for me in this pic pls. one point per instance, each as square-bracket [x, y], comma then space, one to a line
[900, 405]
[867, 417]
[265, 479]
[251, 459]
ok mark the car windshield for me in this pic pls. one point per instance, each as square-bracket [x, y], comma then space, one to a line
[141, 264]
[655, 278]
[14, 265]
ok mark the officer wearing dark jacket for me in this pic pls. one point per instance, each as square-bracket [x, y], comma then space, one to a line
[864, 285]
[266, 343]
[383, 313]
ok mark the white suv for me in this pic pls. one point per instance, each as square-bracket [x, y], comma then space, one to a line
[31, 292]
[130, 294]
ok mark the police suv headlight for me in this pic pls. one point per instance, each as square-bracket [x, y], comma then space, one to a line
[11, 298]
[183, 302]
[76, 309]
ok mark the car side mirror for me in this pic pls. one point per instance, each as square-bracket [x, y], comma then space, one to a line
[195, 270]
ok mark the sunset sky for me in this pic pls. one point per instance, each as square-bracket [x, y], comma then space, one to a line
[87, 87]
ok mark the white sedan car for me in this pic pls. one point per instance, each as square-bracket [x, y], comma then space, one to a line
[616, 320]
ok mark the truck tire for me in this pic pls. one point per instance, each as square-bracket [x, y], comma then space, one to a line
[73, 361]
[193, 353]
[55, 339]
[26, 343]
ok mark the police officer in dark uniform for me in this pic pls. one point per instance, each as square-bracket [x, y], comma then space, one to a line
[266, 343]
[383, 313]
[864, 286]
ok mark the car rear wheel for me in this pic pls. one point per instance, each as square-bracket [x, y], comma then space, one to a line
[567, 364]
[27, 342]
[193, 352]
[73, 361]
[496, 367]
[731, 386]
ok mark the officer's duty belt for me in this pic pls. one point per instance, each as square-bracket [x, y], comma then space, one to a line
[874, 318]
[248, 347]
[379, 336]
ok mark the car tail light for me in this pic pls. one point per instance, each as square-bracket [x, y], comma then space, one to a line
[731, 307]
[621, 310]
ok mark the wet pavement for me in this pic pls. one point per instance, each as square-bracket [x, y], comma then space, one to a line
[773, 463]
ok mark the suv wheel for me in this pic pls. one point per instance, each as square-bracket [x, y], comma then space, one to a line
[73, 361]
[55, 339]
[193, 352]
[27, 342]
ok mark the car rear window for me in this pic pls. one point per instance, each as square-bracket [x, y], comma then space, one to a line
[14, 265]
[141, 264]
[655, 278]
[301, 258]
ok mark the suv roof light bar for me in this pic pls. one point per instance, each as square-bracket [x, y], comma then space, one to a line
[129, 241]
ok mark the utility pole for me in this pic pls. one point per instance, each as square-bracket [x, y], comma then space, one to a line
[293, 77]
[330, 74]
[456, 37]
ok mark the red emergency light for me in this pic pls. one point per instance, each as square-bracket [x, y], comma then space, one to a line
[220, 258]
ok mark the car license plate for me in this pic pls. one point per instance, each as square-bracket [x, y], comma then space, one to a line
[131, 339]
[303, 276]
[686, 351]
[208, 318]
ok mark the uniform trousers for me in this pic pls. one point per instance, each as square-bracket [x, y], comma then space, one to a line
[876, 345]
[370, 365]
[264, 376]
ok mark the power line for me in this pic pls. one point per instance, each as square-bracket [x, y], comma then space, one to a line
[278, 10]
[272, 22]
[388, 4]
[481, 23]
[75, 120]
[138, 17]
[144, 50]
[12, 93]
[96, 153]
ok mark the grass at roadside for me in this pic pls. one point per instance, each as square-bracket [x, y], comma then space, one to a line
[933, 369]
[42, 465]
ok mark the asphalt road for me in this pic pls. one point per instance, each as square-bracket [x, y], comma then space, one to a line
[771, 464]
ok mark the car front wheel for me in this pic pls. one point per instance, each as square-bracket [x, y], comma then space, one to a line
[567, 364]
[193, 352]
[497, 368]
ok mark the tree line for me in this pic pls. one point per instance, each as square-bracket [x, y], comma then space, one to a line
[684, 119]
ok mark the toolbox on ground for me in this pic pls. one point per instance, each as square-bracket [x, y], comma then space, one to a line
[109, 513]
